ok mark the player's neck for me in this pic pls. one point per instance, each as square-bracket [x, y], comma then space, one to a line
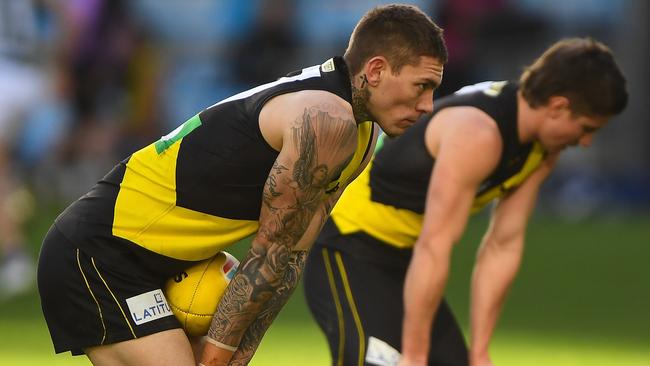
[360, 99]
[529, 120]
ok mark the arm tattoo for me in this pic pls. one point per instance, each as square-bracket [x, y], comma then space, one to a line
[291, 199]
[253, 335]
[272, 183]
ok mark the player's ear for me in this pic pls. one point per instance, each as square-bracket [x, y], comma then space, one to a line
[557, 105]
[374, 69]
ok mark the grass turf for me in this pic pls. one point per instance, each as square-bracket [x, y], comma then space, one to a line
[581, 298]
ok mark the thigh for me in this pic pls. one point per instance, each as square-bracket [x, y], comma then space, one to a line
[167, 348]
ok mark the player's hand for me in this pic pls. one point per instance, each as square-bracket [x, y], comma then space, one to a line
[215, 356]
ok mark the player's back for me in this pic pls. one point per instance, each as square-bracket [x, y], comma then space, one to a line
[198, 189]
[393, 187]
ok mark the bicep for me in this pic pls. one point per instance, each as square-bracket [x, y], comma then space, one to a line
[464, 158]
[315, 148]
[449, 199]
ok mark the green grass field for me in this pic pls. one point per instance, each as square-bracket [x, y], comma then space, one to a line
[582, 298]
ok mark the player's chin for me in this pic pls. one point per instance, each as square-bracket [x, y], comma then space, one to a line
[552, 148]
[556, 149]
[397, 130]
[393, 133]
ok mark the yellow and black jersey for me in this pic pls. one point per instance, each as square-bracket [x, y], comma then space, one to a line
[199, 189]
[387, 200]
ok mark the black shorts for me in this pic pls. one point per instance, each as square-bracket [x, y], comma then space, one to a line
[354, 286]
[89, 302]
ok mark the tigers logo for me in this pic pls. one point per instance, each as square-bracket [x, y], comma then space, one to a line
[179, 277]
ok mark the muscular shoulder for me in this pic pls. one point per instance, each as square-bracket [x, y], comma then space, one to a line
[466, 126]
[325, 115]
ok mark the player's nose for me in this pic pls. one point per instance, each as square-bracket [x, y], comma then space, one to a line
[425, 103]
[585, 141]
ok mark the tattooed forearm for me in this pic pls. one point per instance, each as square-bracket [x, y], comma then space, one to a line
[256, 330]
[248, 283]
[318, 150]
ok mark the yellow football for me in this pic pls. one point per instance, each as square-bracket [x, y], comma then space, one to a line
[193, 295]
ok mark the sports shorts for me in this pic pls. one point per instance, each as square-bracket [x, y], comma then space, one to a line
[89, 302]
[354, 288]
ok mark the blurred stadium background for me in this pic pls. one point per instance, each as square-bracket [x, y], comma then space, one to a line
[93, 80]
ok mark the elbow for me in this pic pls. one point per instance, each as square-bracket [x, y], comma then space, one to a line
[437, 246]
[504, 243]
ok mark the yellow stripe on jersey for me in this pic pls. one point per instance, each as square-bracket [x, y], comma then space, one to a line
[535, 158]
[146, 212]
[364, 139]
[147, 215]
[355, 211]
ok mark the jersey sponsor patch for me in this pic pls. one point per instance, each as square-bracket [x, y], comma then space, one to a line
[381, 353]
[148, 306]
[328, 66]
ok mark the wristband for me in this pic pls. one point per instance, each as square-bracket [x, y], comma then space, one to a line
[221, 345]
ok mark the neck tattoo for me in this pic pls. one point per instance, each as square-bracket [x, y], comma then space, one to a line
[360, 98]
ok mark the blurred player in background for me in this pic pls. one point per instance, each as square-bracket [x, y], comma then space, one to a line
[269, 162]
[23, 85]
[377, 273]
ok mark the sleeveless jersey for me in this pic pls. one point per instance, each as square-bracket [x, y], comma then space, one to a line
[199, 189]
[387, 200]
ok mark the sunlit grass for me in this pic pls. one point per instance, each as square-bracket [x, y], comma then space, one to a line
[581, 299]
[300, 343]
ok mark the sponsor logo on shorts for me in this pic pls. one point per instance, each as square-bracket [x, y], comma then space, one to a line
[148, 306]
[381, 353]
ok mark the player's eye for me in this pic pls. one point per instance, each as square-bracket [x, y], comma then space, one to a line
[426, 86]
[589, 129]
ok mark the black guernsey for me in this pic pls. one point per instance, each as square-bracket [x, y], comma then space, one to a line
[393, 187]
[199, 189]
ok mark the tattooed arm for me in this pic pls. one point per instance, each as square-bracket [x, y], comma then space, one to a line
[315, 149]
[255, 332]
[297, 259]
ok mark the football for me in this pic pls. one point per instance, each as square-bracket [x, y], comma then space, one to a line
[193, 294]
